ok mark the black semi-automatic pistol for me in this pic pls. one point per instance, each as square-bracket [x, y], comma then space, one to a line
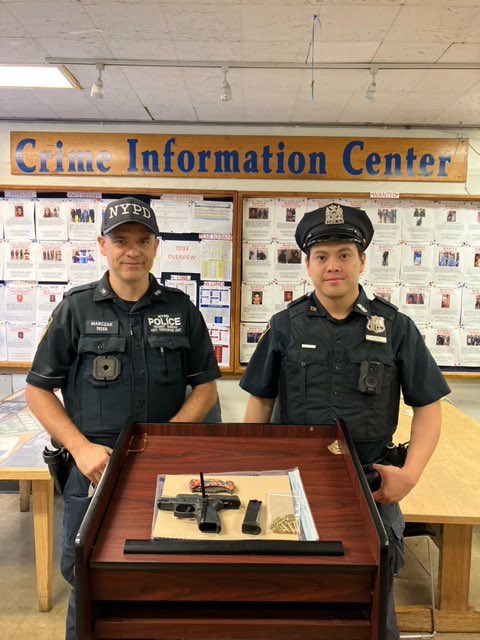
[203, 507]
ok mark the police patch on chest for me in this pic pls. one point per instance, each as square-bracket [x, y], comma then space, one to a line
[376, 331]
[165, 323]
[101, 326]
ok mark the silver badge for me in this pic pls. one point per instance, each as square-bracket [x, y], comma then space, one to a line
[376, 330]
[334, 214]
[376, 324]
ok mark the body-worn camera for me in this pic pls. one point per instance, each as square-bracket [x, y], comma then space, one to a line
[371, 377]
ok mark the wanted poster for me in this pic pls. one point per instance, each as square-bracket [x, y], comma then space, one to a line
[444, 345]
[51, 220]
[388, 292]
[471, 264]
[386, 218]
[185, 283]
[18, 219]
[445, 305]
[220, 337]
[52, 261]
[180, 256]
[216, 257]
[20, 302]
[20, 341]
[472, 224]
[48, 296]
[415, 302]
[448, 264]
[384, 262]
[283, 294]
[469, 349]
[82, 221]
[258, 261]
[250, 334]
[3, 288]
[470, 315]
[210, 216]
[3, 342]
[173, 216]
[416, 263]
[214, 303]
[289, 264]
[257, 302]
[450, 224]
[418, 220]
[82, 262]
[288, 214]
[258, 219]
[19, 261]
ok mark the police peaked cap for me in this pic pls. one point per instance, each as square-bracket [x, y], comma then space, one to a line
[334, 223]
[124, 210]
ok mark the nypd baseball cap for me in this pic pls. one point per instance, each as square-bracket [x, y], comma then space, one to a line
[124, 210]
[332, 223]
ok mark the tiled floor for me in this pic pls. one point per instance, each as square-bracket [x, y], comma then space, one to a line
[19, 616]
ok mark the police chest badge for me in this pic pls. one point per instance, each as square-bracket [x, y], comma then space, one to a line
[376, 331]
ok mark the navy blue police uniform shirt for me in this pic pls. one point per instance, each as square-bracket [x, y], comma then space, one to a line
[314, 364]
[113, 359]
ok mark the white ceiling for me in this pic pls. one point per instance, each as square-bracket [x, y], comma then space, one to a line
[426, 32]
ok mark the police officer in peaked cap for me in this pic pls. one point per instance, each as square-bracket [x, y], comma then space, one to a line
[336, 354]
[124, 345]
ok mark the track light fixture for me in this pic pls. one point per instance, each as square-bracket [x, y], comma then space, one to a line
[226, 93]
[97, 86]
[371, 92]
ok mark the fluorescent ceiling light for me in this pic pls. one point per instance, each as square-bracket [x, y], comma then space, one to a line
[45, 77]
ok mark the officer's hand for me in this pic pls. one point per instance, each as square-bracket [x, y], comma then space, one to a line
[395, 484]
[91, 460]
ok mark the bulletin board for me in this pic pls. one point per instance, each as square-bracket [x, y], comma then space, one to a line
[424, 258]
[48, 244]
[235, 255]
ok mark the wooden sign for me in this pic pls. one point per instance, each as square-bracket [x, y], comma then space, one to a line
[219, 156]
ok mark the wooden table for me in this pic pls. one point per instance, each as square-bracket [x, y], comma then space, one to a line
[25, 464]
[448, 497]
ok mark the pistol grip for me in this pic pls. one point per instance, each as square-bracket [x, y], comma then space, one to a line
[208, 520]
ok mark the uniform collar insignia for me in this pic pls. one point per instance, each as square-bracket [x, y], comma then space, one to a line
[362, 308]
[334, 214]
[312, 308]
[102, 290]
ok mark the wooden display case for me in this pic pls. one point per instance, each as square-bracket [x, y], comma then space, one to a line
[231, 595]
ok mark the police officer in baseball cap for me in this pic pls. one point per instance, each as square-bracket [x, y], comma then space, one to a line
[334, 223]
[124, 345]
